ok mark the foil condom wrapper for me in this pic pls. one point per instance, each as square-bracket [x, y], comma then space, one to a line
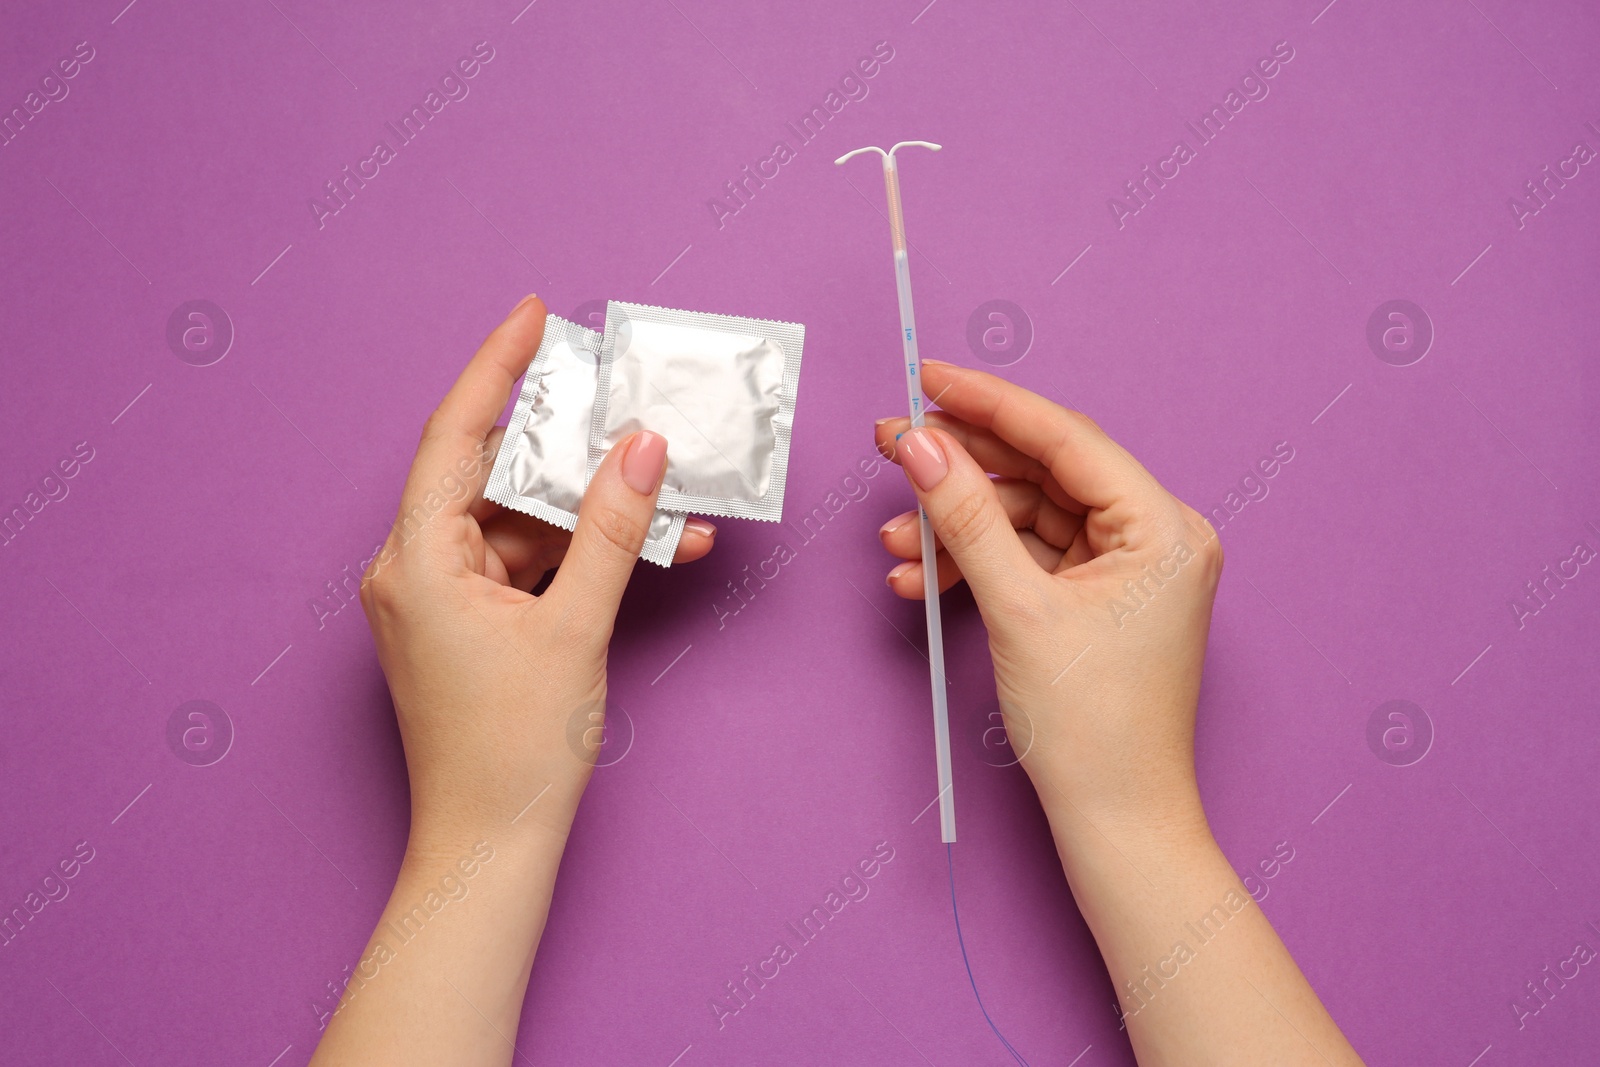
[541, 468]
[720, 388]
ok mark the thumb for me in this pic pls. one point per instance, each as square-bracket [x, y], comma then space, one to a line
[613, 520]
[965, 510]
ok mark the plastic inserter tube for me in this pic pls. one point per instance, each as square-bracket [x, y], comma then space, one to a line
[919, 403]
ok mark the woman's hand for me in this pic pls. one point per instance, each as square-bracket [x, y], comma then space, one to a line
[500, 696]
[1094, 582]
[488, 679]
[1096, 585]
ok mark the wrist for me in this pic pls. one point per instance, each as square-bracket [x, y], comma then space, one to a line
[1122, 876]
[536, 817]
[514, 859]
[1149, 827]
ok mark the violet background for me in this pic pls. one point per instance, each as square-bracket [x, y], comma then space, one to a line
[1227, 316]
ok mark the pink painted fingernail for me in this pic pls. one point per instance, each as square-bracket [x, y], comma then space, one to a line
[897, 572]
[895, 523]
[701, 527]
[644, 462]
[923, 459]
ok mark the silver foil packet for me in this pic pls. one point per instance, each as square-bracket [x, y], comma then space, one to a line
[541, 469]
[720, 388]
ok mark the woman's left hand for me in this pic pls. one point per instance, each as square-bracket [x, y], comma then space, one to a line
[500, 697]
[488, 680]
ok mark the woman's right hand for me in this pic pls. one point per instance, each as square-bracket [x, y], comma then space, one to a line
[1094, 582]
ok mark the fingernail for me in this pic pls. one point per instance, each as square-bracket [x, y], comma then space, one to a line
[897, 572]
[880, 422]
[644, 462]
[939, 362]
[895, 523]
[923, 459]
[524, 301]
[701, 527]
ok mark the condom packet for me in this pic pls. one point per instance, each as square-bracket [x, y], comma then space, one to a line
[720, 388]
[541, 467]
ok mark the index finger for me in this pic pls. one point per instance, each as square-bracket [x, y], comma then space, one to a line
[1085, 462]
[456, 432]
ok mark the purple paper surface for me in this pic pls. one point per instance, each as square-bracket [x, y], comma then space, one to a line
[1234, 301]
